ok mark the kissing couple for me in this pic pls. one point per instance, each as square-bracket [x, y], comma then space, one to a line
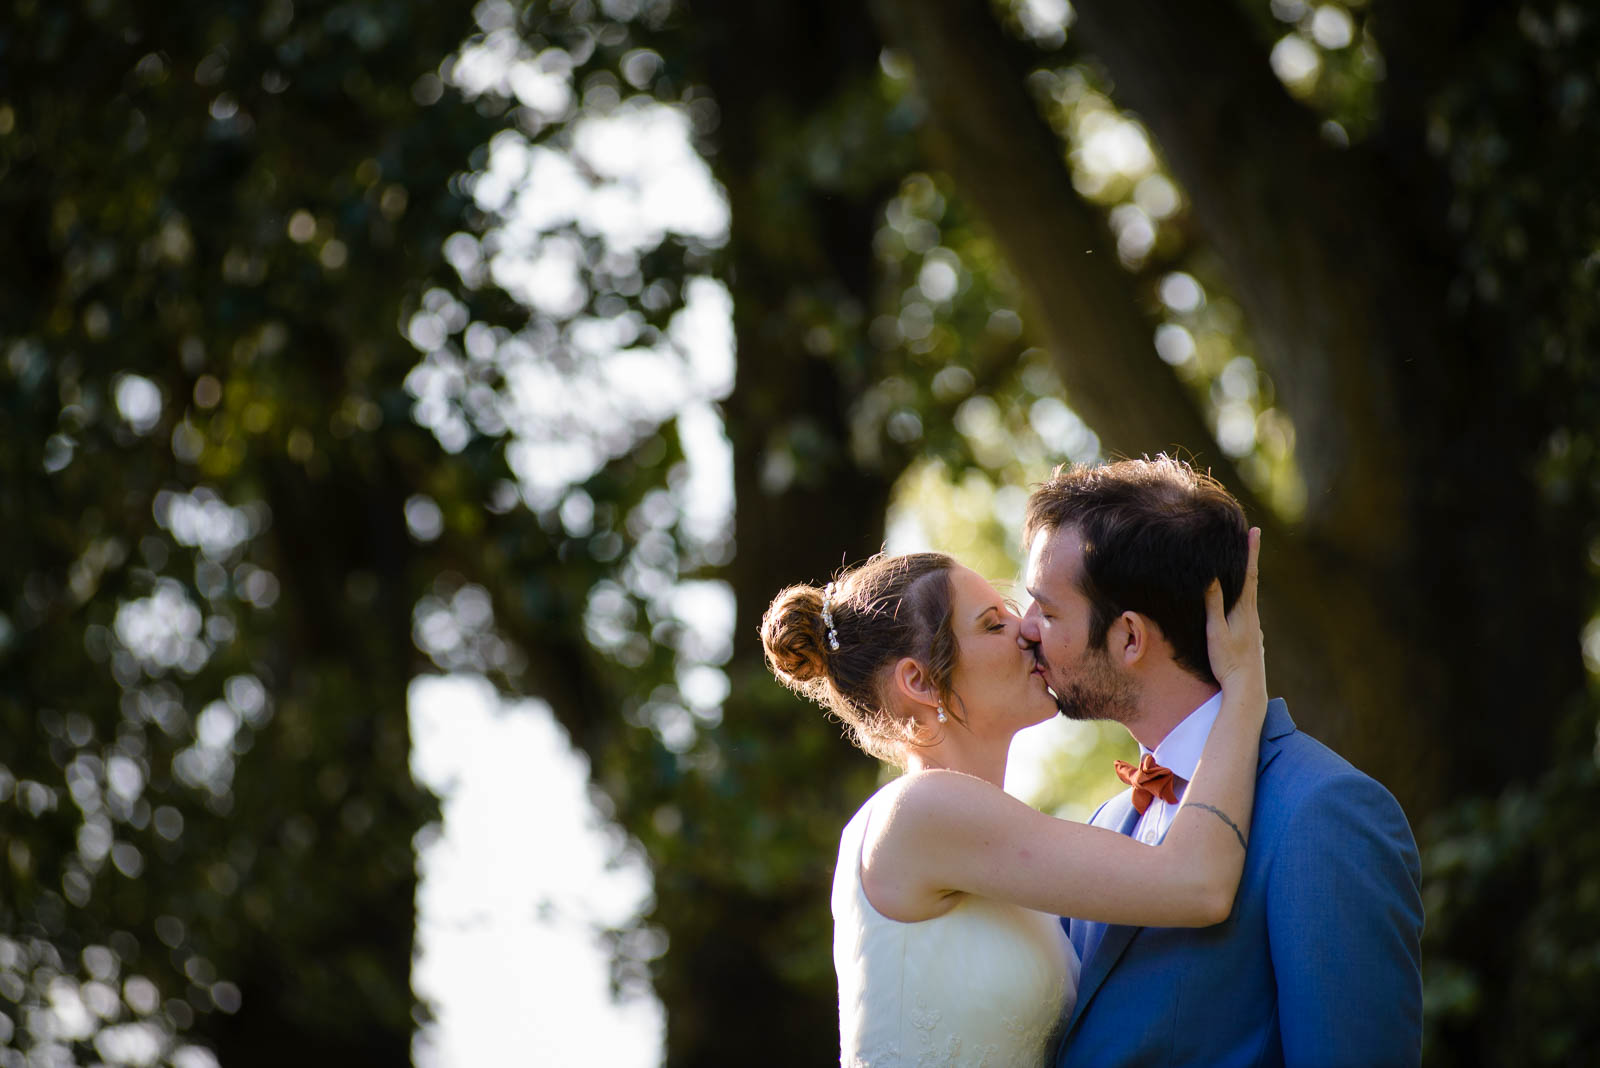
[1250, 899]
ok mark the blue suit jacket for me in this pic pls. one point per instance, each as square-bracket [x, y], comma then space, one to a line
[1319, 964]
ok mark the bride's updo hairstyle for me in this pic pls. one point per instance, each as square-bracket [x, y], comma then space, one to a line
[881, 610]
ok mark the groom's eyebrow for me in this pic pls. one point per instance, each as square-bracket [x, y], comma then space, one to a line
[1038, 597]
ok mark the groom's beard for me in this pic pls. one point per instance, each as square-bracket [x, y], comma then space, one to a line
[1097, 691]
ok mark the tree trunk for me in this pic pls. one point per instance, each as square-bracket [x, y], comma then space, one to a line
[1343, 263]
[804, 505]
[1370, 604]
[1087, 310]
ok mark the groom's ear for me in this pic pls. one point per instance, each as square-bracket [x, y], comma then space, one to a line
[1133, 638]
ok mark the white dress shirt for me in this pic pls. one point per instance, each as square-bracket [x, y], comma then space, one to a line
[1180, 751]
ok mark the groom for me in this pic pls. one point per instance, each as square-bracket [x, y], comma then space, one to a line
[1319, 962]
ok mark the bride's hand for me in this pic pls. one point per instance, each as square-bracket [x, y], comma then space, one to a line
[1233, 639]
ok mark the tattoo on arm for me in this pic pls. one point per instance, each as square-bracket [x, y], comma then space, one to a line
[1223, 816]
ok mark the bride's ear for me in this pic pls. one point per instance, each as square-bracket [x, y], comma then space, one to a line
[911, 682]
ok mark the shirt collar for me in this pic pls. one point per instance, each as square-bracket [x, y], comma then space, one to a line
[1180, 749]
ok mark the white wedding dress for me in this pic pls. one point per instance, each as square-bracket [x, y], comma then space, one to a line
[986, 984]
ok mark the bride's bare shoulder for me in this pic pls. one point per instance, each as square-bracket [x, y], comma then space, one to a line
[919, 787]
[929, 799]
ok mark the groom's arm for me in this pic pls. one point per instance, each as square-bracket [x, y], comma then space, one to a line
[1344, 920]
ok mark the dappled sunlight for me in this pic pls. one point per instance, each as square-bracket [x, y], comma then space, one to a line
[454, 625]
[378, 379]
[98, 999]
[616, 365]
[95, 1001]
[1045, 22]
[119, 1014]
[571, 217]
[575, 401]
[1330, 60]
[1202, 335]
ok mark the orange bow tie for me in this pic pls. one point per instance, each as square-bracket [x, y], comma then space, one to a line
[1149, 780]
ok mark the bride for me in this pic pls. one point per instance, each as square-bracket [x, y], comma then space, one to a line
[947, 889]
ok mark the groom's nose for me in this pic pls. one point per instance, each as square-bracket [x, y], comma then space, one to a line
[1028, 632]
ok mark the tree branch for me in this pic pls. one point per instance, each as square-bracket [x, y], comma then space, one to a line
[991, 139]
[1303, 238]
[1333, 645]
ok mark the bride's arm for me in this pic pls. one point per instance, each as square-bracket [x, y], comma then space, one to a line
[948, 832]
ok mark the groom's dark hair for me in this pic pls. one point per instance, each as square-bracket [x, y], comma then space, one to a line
[1155, 533]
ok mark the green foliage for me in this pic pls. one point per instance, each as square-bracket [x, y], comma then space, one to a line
[1330, 57]
[1513, 882]
[1508, 982]
[288, 421]
[1199, 328]
[1525, 206]
[215, 220]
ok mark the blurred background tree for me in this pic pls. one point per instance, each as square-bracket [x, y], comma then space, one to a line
[312, 385]
[215, 219]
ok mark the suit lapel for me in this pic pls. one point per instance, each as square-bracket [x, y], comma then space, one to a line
[1101, 945]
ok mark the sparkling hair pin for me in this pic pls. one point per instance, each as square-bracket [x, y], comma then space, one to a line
[827, 618]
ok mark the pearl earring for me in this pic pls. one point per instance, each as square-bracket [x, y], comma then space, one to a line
[942, 717]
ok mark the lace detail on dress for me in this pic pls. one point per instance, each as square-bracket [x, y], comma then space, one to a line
[1033, 1032]
[932, 1051]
